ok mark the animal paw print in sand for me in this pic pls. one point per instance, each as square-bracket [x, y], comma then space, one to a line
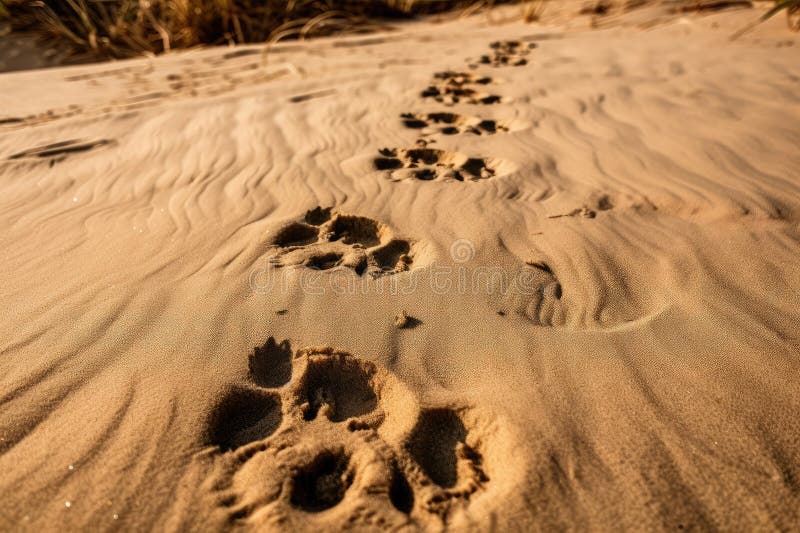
[506, 53]
[536, 295]
[337, 442]
[324, 239]
[450, 87]
[428, 164]
[452, 124]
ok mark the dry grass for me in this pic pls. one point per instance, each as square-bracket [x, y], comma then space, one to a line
[532, 10]
[792, 8]
[121, 28]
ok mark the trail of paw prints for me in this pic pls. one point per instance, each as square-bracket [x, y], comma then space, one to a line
[325, 239]
[341, 442]
[452, 87]
[429, 164]
[505, 54]
[449, 88]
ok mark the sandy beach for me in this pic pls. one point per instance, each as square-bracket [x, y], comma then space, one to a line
[469, 274]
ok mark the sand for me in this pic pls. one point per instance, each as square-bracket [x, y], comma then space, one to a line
[385, 282]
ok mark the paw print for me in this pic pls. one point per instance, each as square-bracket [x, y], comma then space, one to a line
[324, 239]
[452, 124]
[320, 438]
[452, 87]
[429, 164]
[507, 53]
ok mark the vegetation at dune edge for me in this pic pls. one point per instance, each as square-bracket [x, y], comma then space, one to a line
[124, 28]
[121, 28]
[792, 8]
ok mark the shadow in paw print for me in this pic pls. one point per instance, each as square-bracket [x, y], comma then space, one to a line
[400, 492]
[244, 416]
[427, 156]
[384, 163]
[295, 234]
[324, 261]
[271, 364]
[475, 166]
[338, 389]
[318, 216]
[355, 230]
[323, 483]
[395, 251]
[434, 444]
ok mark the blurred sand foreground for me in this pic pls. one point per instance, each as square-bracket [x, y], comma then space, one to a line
[546, 284]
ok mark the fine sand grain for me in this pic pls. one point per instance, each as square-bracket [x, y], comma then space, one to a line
[471, 275]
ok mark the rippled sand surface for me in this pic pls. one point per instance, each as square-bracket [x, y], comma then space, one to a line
[471, 275]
